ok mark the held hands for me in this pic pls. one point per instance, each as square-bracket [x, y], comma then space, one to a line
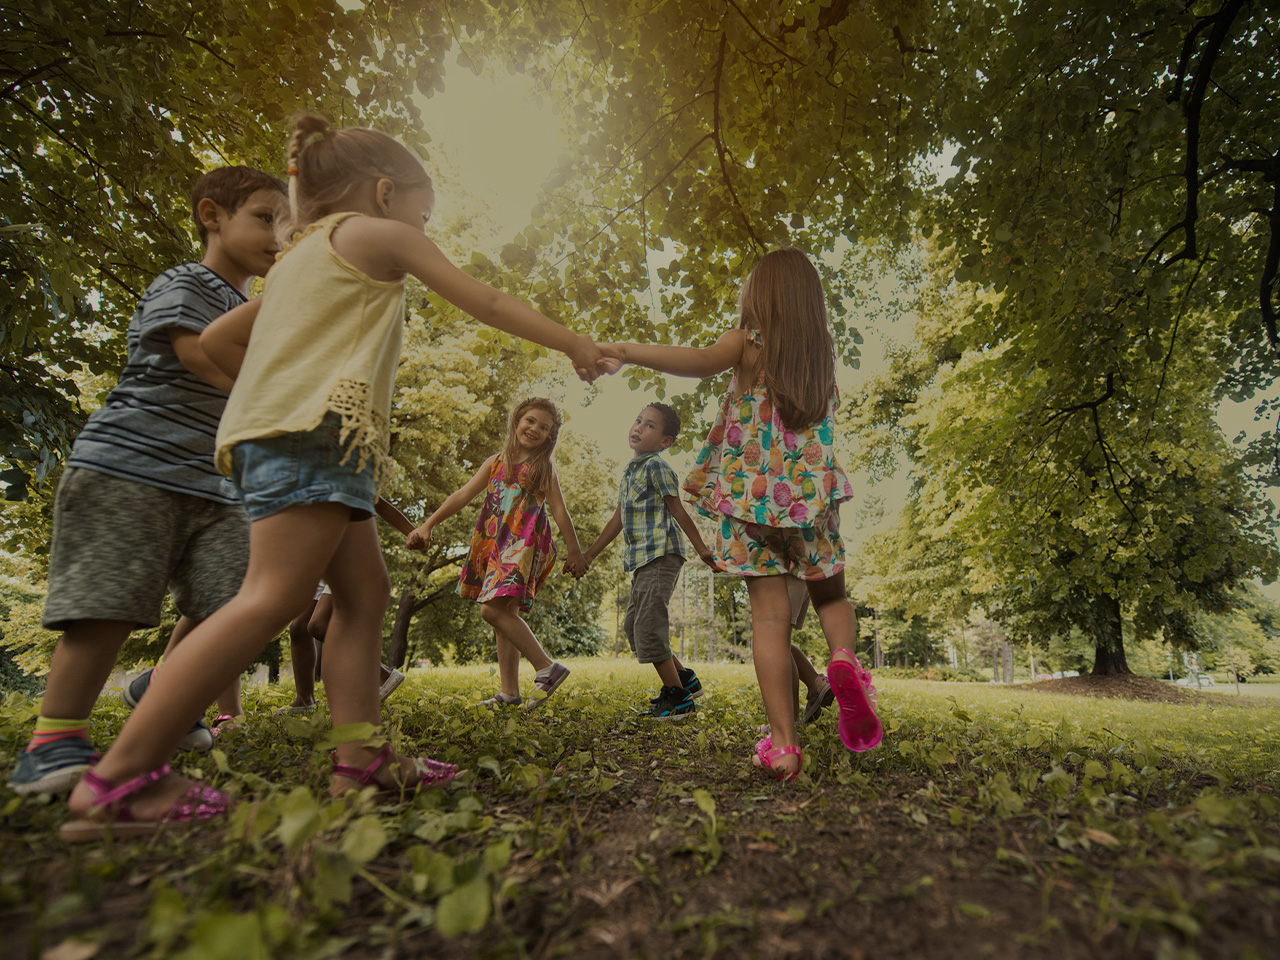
[613, 359]
[576, 565]
[707, 557]
[419, 538]
[586, 358]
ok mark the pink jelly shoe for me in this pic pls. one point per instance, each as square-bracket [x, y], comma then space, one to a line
[859, 727]
[198, 803]
[430, 773]
[767, 755]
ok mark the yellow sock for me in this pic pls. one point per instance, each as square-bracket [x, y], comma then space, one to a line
[49, 729]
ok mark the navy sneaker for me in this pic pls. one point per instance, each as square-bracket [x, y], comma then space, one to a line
[674, 703]
[198, 738]
[53, 767]
[689, 680]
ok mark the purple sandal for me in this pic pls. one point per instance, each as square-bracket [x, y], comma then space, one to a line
[431, 773]
[198, 803]
[860, 729]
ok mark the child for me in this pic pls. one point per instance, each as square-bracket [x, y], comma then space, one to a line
[768, 474]
[650, 517]
[140, 507]
[512, 550]
[305, 436]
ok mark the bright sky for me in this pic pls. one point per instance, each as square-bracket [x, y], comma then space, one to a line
[498, 141]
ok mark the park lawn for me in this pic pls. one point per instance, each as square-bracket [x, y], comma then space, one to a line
[992, 821]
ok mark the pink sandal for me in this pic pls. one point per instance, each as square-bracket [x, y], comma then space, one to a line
[860, 728]
[431, 773]
[767, 754]
[223, 723]
[198, 803]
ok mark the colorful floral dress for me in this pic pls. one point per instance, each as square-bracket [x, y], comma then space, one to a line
[512, 547]
[771, 480]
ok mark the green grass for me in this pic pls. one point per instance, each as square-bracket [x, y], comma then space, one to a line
[992, 820]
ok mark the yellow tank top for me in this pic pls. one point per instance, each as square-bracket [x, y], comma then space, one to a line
[327, 337]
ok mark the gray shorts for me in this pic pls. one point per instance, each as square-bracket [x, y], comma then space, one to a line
[647, 624]
[118, 545]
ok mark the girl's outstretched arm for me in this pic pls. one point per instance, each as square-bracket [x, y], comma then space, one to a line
[680, 361]
[225, 340]
[575, 563]
[405, 249]
[420, 537]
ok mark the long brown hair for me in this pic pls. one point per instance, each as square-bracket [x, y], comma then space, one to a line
[326, 165]
[783, 299]
[542, 462]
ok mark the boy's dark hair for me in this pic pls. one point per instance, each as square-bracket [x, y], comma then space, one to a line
[229, 188]
[670, 419]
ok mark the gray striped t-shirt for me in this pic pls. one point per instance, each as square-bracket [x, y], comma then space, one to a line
[159, 423]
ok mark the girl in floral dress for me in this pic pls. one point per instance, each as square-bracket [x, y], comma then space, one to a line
[512, 549]
[767, 473]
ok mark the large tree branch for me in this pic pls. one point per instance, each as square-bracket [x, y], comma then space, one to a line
[1220, 23]
[719, 141]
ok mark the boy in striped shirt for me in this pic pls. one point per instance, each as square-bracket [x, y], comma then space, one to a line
[650, 517]
[140, 507]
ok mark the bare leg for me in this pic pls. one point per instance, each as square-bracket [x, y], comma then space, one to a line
[667, 672]
[353, 640]
[508, 665]
[302, 650]
[503, 614]
[288, 553]
[81, 664]
[319, 627]
[770, 650]
[229, 699]
[805, 670]
[836, 614]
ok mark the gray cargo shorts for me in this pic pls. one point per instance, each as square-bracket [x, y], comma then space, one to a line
[648, 624]
[117, 545]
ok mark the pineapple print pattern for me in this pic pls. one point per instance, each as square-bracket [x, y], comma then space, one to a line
[753, 468]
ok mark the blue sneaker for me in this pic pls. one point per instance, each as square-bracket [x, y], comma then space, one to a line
[53, 767]
[674, 703]
[689, 680]
[198, 738]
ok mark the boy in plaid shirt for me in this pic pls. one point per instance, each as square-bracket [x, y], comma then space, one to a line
[650, 517]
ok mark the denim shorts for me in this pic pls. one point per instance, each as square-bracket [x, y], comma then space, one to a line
[298, 469]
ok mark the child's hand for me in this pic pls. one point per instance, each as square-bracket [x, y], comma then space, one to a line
[419, 538]
[709, 558]
[585, 357]
[576, 565]
[613, 359]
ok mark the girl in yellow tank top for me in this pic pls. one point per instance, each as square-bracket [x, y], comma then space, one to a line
[304, 437]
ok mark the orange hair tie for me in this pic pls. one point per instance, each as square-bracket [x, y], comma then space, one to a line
[293, 170]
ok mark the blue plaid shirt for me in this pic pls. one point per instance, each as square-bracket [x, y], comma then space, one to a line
[648, 529]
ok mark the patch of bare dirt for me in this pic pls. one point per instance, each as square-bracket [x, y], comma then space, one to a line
[1132, 687]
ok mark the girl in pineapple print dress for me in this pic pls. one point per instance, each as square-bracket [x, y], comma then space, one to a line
[512, 549]
[767, 473]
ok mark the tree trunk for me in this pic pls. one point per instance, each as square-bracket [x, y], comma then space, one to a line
[1108, 657]
[405, 610]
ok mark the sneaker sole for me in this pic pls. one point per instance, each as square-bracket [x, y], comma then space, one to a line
[200, 740]
[672, 717]
[60, 781]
